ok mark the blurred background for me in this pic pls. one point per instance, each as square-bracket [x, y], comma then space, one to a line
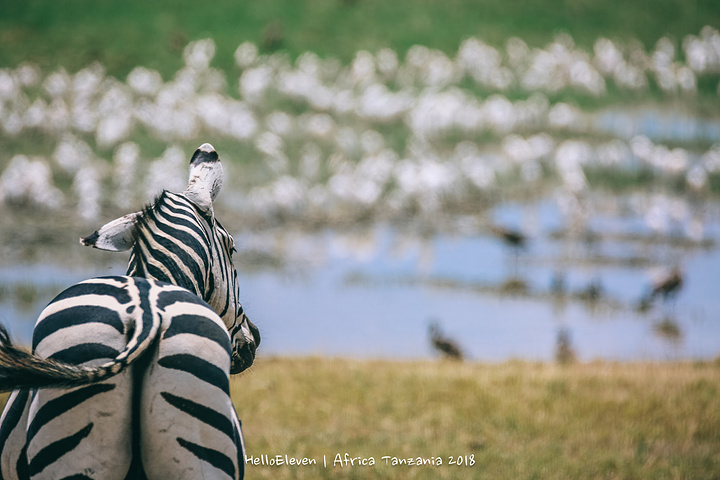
[535, 180]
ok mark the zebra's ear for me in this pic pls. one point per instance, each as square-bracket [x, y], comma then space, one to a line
[116, 236]
[206, 178]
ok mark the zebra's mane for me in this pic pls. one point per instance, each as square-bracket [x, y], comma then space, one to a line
[148, 211]
[149, 216]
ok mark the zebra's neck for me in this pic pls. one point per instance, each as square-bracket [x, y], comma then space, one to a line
[173, 245]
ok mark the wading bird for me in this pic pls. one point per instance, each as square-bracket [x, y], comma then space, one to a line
[667, 287]
[514, 239]
[447, 347]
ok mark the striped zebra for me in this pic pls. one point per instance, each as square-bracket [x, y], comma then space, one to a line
[128, 377]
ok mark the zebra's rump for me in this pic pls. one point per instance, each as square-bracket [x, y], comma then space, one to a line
[157, 361]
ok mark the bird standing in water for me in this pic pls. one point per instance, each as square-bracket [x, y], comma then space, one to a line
[514, 239]
[667, 287]
[442, 344]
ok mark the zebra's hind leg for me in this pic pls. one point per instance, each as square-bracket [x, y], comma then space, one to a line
[189, 428]
[13, 458]
[84, 432]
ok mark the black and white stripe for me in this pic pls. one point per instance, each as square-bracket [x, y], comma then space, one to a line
[138, 365]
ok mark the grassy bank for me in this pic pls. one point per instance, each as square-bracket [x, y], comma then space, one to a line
[513, 420]
[123, 35]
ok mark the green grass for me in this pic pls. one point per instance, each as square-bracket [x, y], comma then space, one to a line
[515, 420]
[123, 35]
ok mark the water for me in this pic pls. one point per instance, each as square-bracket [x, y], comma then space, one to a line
[658, 124]
[379, 303]
[371, 292]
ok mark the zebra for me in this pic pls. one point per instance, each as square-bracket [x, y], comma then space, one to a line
[129, 375]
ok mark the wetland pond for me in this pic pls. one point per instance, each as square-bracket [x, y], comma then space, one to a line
[368, 199]
[371, 291]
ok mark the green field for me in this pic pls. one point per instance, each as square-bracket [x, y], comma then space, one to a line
[122, 35]
[513, 420]
[77, 37]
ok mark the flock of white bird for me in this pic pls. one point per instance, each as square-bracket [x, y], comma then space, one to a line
[380, 134]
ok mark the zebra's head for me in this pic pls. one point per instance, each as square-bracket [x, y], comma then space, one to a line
[178, 240]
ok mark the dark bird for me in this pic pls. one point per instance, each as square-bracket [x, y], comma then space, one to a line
[511, 237]
[444, 345]
[514, 239]
[667, 287]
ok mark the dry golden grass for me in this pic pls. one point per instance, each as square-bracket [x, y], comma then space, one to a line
[513, 420]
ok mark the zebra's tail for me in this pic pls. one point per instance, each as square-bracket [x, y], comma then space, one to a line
[20, 368]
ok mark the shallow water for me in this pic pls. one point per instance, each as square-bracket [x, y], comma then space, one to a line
[372, 292]
[378, 303]
[658, 124]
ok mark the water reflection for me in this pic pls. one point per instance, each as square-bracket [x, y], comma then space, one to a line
[669, 329]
